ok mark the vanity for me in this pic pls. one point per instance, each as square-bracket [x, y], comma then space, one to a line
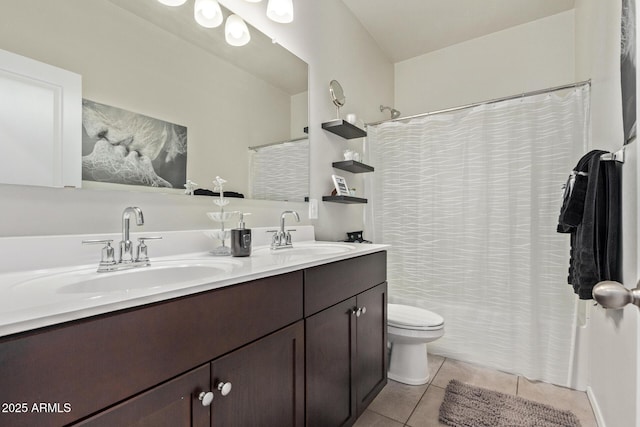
[287, 339]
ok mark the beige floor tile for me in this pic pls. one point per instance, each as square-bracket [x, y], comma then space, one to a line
[559, 397]
[427, 411]
[371, 419]
[475, 375]
[397, 400]
[435, 363]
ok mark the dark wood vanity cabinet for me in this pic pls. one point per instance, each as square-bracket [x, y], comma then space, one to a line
[346, 342]
[266, 388]
[93, 364]
[290, 346]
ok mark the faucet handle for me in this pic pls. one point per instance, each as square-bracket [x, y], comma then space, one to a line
[107, 259]
[141, 250]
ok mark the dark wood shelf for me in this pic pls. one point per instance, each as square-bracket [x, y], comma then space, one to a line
[352, 166]
[343, 199]
[344, 129]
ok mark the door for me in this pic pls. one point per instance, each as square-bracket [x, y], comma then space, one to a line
[261, 384]
[371, 342]
[330, 356]
[175, 403]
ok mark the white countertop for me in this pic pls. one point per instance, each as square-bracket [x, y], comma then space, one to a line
[33, 298]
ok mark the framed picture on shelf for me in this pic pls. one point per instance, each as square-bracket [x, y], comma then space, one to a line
[341, 185]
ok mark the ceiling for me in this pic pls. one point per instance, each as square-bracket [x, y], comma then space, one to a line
[407, 28]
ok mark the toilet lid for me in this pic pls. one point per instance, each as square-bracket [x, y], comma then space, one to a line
[412, 317]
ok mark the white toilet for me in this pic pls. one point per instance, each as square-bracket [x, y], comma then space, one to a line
[409, 329]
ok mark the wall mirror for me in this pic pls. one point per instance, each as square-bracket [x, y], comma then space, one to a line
[156, 61]
[337, 95]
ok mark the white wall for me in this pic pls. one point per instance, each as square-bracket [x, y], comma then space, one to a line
[532, 56]
[613, 341]
[336, 46]
[331, 41]
[299, 114]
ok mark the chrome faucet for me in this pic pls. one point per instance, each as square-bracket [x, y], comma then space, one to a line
[281, 238]
[125, 259]
[126, 246]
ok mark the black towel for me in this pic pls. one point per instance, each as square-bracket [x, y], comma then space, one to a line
[591, 212]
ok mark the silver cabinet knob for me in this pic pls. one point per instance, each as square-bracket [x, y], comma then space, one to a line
[611, 294]
[358, 311]
[206, 398]
[225, 388]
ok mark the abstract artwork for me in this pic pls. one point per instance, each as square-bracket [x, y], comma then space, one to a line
[122, 147]
[628, 69]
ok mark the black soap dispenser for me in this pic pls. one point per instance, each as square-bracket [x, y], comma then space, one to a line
[241, 238]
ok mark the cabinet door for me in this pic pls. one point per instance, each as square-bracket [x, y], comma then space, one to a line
[173, 404]
[371, 345]
[330, 355]
[267, 382]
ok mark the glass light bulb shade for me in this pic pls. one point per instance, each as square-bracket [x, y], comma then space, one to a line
[236, 32]
[207, 13]
[173, 2]
[280, 11]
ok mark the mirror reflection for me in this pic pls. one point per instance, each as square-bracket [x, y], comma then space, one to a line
[156, 61]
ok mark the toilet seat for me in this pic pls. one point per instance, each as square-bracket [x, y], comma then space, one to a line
[413, 318]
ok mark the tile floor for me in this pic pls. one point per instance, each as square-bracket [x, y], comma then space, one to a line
[417, 406]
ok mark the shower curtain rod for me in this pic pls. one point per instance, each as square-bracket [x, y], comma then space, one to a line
[257, 147]
[492, 101]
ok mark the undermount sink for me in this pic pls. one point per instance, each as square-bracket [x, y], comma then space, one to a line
[309, 249]
[164, 273]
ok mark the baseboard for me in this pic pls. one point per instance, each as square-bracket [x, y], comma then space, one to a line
[596, 408]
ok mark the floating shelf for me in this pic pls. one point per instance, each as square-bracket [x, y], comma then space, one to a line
[343, 199]
[352, 166]
[344, 129]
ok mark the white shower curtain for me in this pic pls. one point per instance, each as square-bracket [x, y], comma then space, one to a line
[469, 201]
[280, 171]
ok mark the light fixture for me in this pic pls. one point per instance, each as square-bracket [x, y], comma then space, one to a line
[173, 2]
[207, 13]
[236, 32]
[280, 11]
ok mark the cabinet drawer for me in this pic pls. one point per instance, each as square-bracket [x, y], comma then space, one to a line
[329, 284]
[96, 362]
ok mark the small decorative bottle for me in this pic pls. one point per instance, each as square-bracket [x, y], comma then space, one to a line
[241, 238]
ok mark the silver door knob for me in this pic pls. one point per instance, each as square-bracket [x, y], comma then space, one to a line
[206, 398]
[611, 294]
[225, 388]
